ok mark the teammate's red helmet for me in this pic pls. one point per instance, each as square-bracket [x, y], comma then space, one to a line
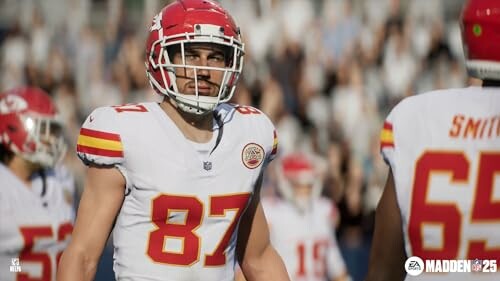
[30, 127]
[481, 38]
[298, 169]
[192, 21]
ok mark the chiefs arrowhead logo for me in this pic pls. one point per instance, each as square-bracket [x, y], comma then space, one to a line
[12, 103]
[156, 22]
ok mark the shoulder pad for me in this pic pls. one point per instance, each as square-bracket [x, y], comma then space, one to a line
[99, 141]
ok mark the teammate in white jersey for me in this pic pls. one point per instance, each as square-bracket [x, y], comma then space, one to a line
[302, 223]
[442, 200]
[35, 215]
[179, 181]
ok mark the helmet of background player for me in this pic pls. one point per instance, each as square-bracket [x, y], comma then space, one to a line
[298, 180]
[30, 126]
[481, 38]
[192, 21]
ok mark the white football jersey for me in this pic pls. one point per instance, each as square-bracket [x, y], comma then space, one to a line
[183, 200]
[305, 241]
[35, 226]
[444, 151]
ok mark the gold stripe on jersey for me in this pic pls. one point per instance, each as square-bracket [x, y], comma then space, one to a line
[100, 143]
[386, 136]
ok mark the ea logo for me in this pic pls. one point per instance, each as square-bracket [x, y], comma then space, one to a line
[252, 155]
[414, 266]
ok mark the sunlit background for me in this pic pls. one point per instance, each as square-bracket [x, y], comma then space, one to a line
[326, 72]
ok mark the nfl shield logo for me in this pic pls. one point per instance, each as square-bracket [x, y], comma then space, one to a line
[476, 265]
[207, 165]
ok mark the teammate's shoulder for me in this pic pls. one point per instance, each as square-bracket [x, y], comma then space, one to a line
[327, 208]
[59, 176]
[251, 123]
[64, 175]
[8, 178]
[114, 111]
[435, 97]
[113, 119]
[272, 202]
[101, 138]
[325, 203]
[242, 112]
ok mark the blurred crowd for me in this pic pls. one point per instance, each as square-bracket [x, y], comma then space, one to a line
[326, 72]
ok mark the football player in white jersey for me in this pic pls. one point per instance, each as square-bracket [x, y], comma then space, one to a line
[442, 200]
[302, 223]
[178, 182]
[35, 215]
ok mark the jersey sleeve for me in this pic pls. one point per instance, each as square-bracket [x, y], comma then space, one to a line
[99, 142]
[387, 142]
[256, 120]
[271, 140]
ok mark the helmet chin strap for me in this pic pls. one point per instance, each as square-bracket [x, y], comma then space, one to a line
[190, 109]
[188, 106]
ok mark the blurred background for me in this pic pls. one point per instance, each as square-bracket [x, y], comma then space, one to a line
[327, 72]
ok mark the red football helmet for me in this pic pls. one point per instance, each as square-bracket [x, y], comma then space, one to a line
[30, 127]
[295, 171]
[481, 38]
[192, 21]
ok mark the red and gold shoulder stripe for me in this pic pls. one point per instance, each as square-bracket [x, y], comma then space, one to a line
[99, 143]
[386, 136]
[275, 144]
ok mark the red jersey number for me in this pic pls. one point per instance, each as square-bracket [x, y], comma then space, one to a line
[28, 255]
[448, 214]
[185, 232]
[318, 253]
[130, 108]
[245, 109]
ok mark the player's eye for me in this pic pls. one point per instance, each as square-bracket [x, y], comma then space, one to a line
[190, 56]
[217, 59]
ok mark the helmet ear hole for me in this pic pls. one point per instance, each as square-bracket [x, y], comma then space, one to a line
[172, 50]
[12, 128]
[228, 56]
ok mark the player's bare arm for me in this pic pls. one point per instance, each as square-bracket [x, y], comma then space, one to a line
[257, 257]
[101, 200]
[387, 256]
[344, 277]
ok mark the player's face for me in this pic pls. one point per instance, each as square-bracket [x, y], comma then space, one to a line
[302, 189]
[201, 55]
[48, 134]
[302, 194]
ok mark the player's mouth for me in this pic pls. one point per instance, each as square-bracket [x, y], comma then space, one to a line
[204, 89]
